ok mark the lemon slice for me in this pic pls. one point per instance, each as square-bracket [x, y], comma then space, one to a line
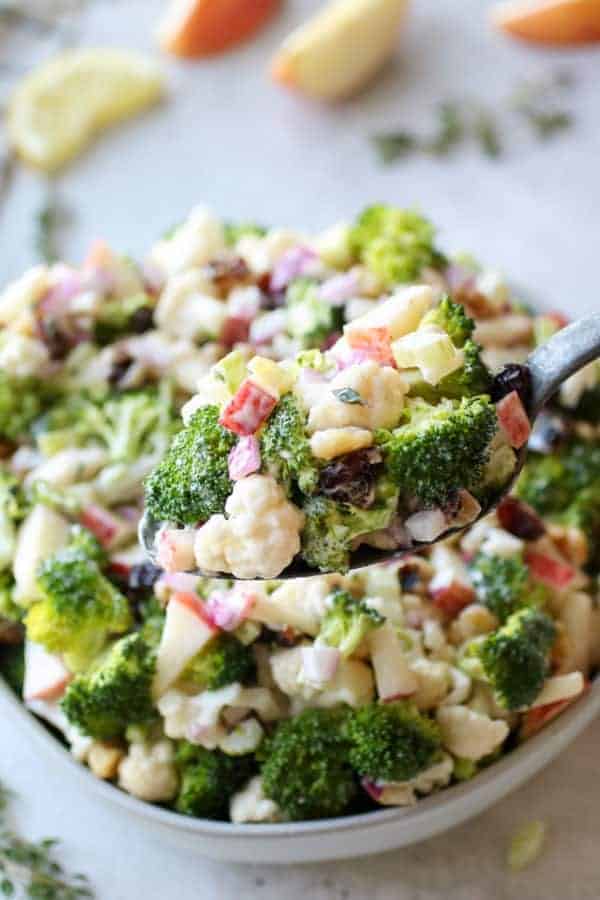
[58, 109]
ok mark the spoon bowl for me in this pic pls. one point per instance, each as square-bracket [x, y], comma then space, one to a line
[545, 370]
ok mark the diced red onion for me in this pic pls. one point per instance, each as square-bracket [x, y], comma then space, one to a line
[266, 327]
[67, 286]
[244, 303]
[339, 288]
[373, 788]
[320, 663]
[129, 513]
[100, 279]
[228, 609]
[426, 525]
[175, 549]
[294, 262]
[244, 458]
[101, 522]
[153, 277]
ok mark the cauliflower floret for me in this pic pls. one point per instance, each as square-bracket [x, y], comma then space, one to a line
[334, 442]
[188, 307]
[259, 538]
[404, 793]
[296, 604]
[198, 240]
[148, 771]
[381, 390]
[434, 682]
[352, 683]
[22, 356]
[251, 805]
[400, 314]
[20, 296]
[469, 734]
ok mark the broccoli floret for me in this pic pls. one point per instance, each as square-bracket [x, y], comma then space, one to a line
[347, 622]
[565, 488]
[12, 666]
[80, 608]
[285, 448]
[330, 529]
[122, 316]
[503, 584]
[129, 424]
[13, 508]
[86, 545]
[223, 661]
[21, 402]
[440, 449]
[453, 318]
[305, 767]
[234, 231]
[395, 244]
[192, 482]
[515, 658]
[208, 779]
[115, 692]
[309, 318]
[391, 741]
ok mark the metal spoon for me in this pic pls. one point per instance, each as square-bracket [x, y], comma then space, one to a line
[551, 364]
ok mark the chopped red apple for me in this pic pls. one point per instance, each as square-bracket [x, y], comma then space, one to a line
[375, 343]
[513, 419]
[46, 676]
[186, 630]
[539, 716]
[248, 409]
[549, 570]
[111, 530]
[393, 676]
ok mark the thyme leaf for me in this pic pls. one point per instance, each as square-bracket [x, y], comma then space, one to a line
[31, 866]
[348, 395]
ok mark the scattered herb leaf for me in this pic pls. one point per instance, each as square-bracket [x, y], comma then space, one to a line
[31, 866]
[451, 130]
[394, 145]
[51, 218]
[486, 132]
[348, 395]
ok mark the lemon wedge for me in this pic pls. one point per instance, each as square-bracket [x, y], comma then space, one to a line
[59, 108]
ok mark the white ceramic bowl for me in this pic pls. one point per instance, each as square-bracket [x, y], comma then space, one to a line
[331, 838]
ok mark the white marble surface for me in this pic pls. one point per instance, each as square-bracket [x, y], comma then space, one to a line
[229, 138]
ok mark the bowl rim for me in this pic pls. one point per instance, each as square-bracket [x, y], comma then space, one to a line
[524, 760]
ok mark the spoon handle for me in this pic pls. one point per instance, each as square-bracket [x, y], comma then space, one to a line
[565, 353]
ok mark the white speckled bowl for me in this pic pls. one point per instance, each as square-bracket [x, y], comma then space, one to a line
[331, 838]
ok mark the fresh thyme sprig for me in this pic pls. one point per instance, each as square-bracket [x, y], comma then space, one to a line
[51, 218]
[460, 122]
[30, 868]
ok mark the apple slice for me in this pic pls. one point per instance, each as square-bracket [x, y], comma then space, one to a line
[559, 22]
[193, 28]
[186, 631]
[42, 533]
[341, 48]
[46, 676]
[393, 676]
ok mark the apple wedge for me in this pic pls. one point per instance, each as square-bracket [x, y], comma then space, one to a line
[186, 630]
[393, 676]
[46, 676]
[194, 28]
[557, 22]
[341, 48]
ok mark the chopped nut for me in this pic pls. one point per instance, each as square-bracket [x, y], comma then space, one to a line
[471, 622]
[104, 759]
[571, 542]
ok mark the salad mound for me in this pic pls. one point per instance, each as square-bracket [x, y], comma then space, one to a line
[262, 701]
[388, 438]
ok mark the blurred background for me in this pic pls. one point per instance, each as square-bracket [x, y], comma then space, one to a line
[498, 142]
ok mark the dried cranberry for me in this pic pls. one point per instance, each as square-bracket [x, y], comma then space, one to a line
[520, 519]
[119, 369]
[410, 578]
[228, 273]
[513, 377]
[58, 341]
[351, 478]
[143, 576]
[142, 320]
